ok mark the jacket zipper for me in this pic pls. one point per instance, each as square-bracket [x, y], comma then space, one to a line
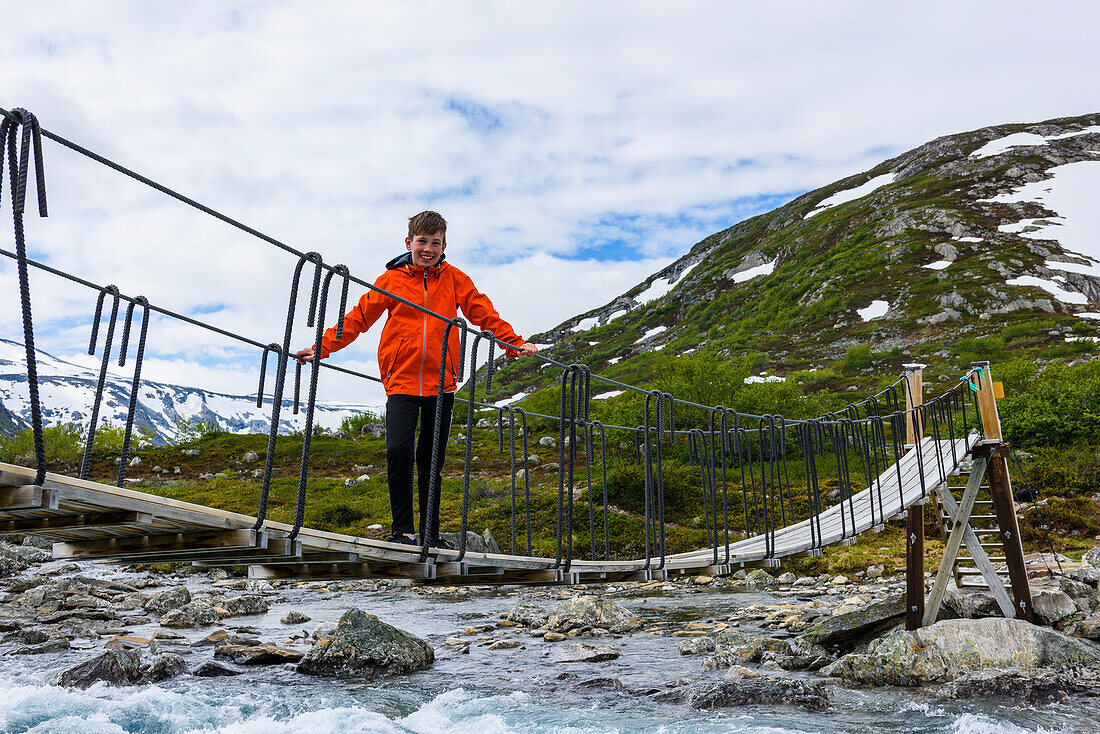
[424, 341]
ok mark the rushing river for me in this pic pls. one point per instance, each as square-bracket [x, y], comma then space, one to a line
[483, 692]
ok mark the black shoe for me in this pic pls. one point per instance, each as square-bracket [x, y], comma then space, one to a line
[401, 539]
[441, 544]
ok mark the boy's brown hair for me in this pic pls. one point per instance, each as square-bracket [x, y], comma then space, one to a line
[428, 222]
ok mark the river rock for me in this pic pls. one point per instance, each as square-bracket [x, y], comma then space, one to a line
[585, 653]
[491, 545]
[758, 578]
[165, 666]
[527, 614]
[952, 647]
[197, 613]
[1052, 606]
[250, 457]
[168, 599]
[114, 667]
[767, 691]
[294, 617]
[591, 611]
[52, 644]
[1091, 557]
[265, 654]
[732, 647]
[367, 647]
[959, 604]
[847, 629]
[1034, 687]
[696, 645]
[240, 606]
[212, 669]
[1090, 628]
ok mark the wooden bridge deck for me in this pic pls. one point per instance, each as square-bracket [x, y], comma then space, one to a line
[88, 520]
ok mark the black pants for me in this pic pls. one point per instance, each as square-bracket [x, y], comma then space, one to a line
[402, 412]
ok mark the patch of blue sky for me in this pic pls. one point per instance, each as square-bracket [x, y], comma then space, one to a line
[208, 308]
[479, 117]
[629, 236]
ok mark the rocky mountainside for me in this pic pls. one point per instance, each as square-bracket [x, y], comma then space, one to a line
[974, 245]
[66, 391]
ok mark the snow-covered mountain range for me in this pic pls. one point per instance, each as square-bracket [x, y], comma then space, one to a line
[66, 392]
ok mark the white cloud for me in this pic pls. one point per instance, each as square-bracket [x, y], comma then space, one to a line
[541, 132]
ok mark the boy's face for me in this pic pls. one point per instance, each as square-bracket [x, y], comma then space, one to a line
[426, 249]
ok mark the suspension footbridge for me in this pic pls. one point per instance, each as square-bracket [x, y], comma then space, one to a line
[773, 487]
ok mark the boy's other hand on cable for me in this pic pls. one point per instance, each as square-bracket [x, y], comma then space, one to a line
[527, 349]
[304, 355]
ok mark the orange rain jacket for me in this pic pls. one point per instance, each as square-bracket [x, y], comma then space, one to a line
[412, 341]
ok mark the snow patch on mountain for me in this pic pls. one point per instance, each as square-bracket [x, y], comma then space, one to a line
[843, 197]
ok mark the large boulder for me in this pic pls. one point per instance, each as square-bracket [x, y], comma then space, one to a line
[527, 614]
[367, 647]
[1034, 687]
[240, 606]
[585, 653]
[1051, 606]
[763, 690]
[953, 647]
[587, 611]
[166, 600]
[1091, 557]
[265, 654]
[737, 648]
[197, 613]
[114, 667]
[165, 666]
[846, 630]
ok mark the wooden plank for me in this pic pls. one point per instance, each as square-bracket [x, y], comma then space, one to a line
[987, 403]
[954, 540]
[1001, 490]
[914, 567]
[56, 523]
[161, 545]
[26, 497]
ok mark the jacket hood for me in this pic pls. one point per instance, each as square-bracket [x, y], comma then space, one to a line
[405, 258]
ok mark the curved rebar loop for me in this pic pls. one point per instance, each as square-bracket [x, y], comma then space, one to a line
[440, 435]
[768, 476]
[97, 400]
[724, 447]
[280, 384]
[565, 402]
[500, 430]
[462, 331]
[807, 432]
[877, 429]
[512, 473]
[138, 359]
[918, 419]
[934, 406]
[648, 451]
[526, 479]
[710, 486]
[785, 486]
[665, 403]
[588, 481]
[898, 420]
[840, 442]
[694, 435]
[596, 425]
[311, 400]
[859, 443]
[17, 173]
[273, 347]
[743, 448]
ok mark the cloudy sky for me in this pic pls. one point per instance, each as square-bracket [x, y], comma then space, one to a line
[574, 147]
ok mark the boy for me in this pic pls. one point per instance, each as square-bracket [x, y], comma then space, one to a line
[408, 358]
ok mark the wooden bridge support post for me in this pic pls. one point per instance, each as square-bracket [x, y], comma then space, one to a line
[1000, 488]
[914, 520]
